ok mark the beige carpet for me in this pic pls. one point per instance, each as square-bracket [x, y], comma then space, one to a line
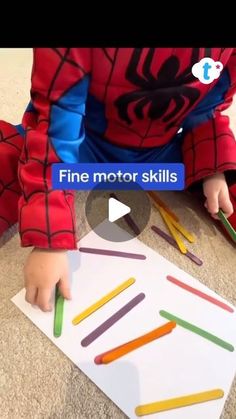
[36, 379]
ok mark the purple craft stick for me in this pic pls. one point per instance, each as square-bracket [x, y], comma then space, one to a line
[171, 241]
[128, 219]
[112, 320]
[106, 252]
[132, 224]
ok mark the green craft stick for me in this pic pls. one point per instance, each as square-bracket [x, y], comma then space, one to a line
[58, 314]
[197, 330]
[227, 225]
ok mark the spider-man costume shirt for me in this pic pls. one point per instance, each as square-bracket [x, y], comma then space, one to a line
[111, 104]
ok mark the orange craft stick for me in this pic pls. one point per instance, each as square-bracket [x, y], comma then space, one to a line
[162, 204]
[127, 347]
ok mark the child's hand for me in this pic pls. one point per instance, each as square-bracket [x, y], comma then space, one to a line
[217, 195]
[43, 269]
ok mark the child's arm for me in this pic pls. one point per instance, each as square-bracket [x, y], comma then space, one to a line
[209, 148]
[54, 129]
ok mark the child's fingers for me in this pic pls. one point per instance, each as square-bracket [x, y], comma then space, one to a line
[43, 299]
[31, 295]
[64, 288]
[213, 204]
[226, 206]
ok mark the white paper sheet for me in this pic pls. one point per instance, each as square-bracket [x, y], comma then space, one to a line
[178, 364]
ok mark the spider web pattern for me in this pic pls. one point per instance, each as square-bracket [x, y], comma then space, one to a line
[46, 216]
[10, 148]
[208, 149]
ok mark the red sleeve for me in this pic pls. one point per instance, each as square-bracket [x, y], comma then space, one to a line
[46, 216]
[211, 147]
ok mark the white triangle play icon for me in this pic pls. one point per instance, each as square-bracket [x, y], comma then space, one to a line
[116, 209]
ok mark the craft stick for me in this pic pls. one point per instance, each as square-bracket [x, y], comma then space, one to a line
[129, 220]
[183, 401]
[200, 293]
[227, 225]
[182, 230]
[173, 231]
[112, 320]
[58, 313]
[116, 253]
[201, 332]
[171, 241]
[105, 299]
[127, 347]
[162, 204]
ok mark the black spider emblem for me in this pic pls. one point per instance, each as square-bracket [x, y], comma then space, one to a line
[159, 90]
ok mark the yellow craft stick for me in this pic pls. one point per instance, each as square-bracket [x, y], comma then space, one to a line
[173, 231]
[94, 307]
[147, 409]
[181, 229]
[174, 221]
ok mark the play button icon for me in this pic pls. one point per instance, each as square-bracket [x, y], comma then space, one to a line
[128, 209]
[116, 210]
